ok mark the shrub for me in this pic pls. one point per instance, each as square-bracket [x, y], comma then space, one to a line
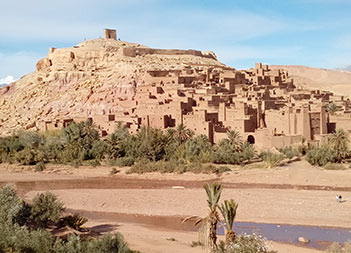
[53, 146]
[320, 156]
[224, 153]
[114, 171]
[198, 148]
[123, 161]
[12, 208]
[221, 169]
[74, 221]
[271, 160]
[148, 143]
[40, 166]
[337, 248]
[94, 163]
[14, 237]
[145, 166]
[289, 152]
[72, 154]
[196, 244]
[34, 241]
[98, 150]
[334, 166]
[197, 167]
[118, 142]
[248, 151]
[105, 244]
[245, 243]
[45, 208]
[29, 156]
[79, 140]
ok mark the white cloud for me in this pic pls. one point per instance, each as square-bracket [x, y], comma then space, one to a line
[7, 80]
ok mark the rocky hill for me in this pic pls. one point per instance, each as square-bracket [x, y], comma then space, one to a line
[90, 78]
[98, 76]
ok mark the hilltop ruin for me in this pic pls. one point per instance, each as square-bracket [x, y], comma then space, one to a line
[110, 81]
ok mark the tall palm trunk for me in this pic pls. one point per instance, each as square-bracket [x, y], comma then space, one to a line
[213, 233]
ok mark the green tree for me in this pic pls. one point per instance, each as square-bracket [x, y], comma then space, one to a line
[79, 140]
[224, 152]
[117, 142]
[11, 206]
[46, 207]
[228, 210]
[149, 143]
[320, 156]
[332, 108]
[235, 140]
[182, 134]
[208, 224]
[338, 142]
[198, 148]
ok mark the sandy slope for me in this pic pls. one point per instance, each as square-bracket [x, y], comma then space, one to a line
[338, 81]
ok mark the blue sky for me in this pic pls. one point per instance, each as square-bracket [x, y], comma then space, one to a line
[316, 33]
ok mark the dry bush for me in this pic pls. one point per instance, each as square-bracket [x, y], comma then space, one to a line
[334, 166]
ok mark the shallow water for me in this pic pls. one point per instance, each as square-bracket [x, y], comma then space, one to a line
[320, 237]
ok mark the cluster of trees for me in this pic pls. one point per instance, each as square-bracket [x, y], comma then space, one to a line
[208, 226]
[335, 150]
[23, 227]
[175, 150]
[81, 142]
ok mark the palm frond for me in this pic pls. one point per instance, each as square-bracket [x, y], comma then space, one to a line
[228, 210]
[213, 192]
[196, 219]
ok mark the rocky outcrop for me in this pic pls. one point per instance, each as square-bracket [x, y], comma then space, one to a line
[91, 78]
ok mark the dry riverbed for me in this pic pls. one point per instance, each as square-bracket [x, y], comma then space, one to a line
[294, 194]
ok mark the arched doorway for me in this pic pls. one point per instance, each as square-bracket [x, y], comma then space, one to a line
[251, 139]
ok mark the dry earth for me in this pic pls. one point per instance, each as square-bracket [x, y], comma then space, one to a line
[338, 81]
[294, 194]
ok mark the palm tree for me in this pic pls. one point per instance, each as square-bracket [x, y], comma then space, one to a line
[332, 108]
[235, 140]
[182, 134]
[338, 142]
[116, 142]
[228, 210]
[208, 224]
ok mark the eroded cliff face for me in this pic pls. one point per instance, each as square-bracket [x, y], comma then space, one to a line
[91, 78]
